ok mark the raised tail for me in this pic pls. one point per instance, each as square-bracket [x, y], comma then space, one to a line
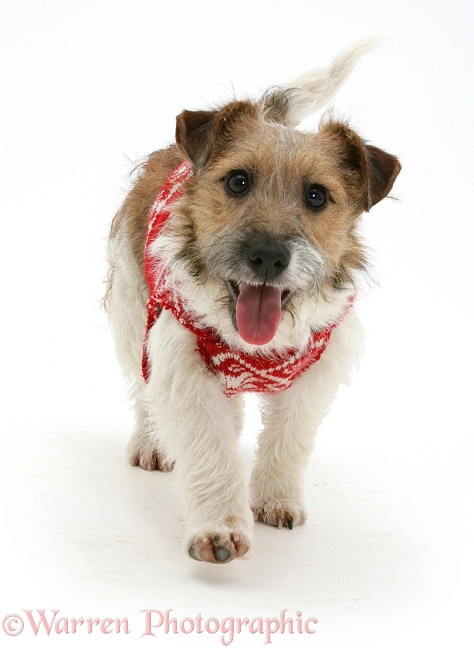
[291, 102]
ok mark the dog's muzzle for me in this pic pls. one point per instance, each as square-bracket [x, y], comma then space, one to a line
[258, 305]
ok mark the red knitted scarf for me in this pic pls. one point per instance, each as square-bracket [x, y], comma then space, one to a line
[238, 371]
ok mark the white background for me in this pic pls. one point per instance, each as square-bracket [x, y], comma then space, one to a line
[89, 88]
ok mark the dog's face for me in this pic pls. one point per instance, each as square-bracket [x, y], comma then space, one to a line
[269, 217]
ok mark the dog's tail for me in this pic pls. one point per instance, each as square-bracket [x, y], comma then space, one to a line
[293, 101]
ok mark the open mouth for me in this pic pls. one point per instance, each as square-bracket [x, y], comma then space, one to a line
[257, 310]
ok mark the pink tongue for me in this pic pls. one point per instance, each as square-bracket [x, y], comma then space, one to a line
[258, 313]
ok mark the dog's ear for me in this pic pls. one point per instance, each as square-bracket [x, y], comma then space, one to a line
[194, 133]
[376, 169]
[201, 133]
[383, 170]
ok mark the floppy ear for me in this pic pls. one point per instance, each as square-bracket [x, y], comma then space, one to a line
[376, 169]
[382, 170]
[201, 133]
[194, 134]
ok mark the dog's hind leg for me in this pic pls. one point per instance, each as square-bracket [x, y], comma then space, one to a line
[126, 306]
[144, 448]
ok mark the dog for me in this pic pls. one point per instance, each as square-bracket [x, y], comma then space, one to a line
[234, 263]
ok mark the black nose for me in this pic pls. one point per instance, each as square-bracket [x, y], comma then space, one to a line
[267, 260]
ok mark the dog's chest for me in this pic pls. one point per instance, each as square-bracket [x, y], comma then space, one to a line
[238, 370]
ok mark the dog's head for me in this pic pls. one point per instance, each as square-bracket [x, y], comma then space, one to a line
[269, 217]
[268, 221]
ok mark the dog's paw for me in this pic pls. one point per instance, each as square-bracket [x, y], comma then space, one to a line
[219, 549]
[279, 514]
[151, 459]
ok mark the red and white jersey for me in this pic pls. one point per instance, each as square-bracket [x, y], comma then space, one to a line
[238, 370]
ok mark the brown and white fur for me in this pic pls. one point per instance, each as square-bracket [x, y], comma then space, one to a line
[183, 419]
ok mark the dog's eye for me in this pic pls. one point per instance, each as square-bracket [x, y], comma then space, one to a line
[315, 197]
[238, 183]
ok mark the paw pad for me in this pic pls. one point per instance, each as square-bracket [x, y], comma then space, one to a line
[218, 549]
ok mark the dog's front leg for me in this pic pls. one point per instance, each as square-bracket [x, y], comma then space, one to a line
[290, 421]
[284, 446]
[199, 426]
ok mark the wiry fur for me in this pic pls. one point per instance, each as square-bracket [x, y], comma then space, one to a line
[182, 413]
[294, 101]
